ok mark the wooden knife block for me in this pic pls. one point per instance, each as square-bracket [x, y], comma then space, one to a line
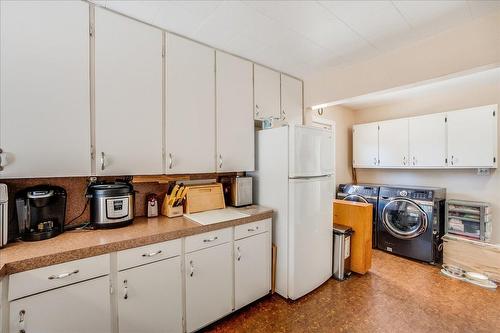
[358, 216]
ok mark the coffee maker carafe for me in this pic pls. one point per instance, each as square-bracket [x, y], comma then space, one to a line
[40, 212]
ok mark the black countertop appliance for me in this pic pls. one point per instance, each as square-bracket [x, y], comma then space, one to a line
[41, 212]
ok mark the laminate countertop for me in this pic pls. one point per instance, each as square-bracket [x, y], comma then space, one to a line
[78, 244]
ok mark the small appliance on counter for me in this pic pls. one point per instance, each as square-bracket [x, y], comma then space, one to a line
[152, 205]
[40, 212]
[111, 204]
[241, 191]
[4, 220]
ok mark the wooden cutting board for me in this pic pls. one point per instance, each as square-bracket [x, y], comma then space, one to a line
[358, 216]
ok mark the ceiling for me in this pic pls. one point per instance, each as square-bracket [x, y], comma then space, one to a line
[465, 82]
[301, 37]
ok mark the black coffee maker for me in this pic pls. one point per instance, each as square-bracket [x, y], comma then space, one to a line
[40, 212]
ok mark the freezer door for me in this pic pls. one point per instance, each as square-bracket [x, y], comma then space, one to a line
[311, 152]
[310, 234]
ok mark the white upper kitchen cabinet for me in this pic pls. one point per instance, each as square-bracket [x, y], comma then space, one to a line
[291, 100]
[472, 137]
[266, 93]
[150, 297]
[365, 145]
[190, 98]
[235, 123]
[393, 143]
[44, 89]
[427, 140]
[128, 96]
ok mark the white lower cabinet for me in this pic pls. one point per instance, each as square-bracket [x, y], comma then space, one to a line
[150, 297]
[209, 285]
[252, 267]
[80, 307]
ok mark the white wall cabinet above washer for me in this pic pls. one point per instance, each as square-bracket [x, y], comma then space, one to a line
[393, 143]
[128, 96]
[455, 139]
[365, 145]
[291, 100]
[266, 93]
[235, 123]
[190, 98]
[427, 140]
[472, 137]
[44, 89]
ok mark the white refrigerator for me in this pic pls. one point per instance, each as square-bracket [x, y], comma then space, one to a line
[294, 176]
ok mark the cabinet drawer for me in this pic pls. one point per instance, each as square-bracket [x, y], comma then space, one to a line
[208, 239]
[253, 228]
[148, 253]
[41, 279]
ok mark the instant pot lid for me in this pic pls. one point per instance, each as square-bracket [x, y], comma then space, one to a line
[110, 189]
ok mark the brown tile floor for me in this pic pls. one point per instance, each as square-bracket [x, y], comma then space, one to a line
[397, 295]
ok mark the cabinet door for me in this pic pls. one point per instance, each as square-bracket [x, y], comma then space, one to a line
[81, 307]
[365, 145]
[393, 143]
[128, 96]
[44, 88]
[235, 124]
[427, 140]
[190, 121]
[209, 285]
[291, 100]
[267, 93]
[472, 137]
[150, 298]
[252, 268]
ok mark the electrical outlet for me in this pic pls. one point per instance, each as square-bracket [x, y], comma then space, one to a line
[483, 172]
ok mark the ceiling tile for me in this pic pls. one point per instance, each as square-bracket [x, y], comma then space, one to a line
[377, 21]
[426, 17]
[184, 17]
[142, 10]
[312, 21]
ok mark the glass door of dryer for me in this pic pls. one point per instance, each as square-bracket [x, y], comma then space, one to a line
[404, 218]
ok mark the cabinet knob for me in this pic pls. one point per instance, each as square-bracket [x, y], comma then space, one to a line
[238, 256]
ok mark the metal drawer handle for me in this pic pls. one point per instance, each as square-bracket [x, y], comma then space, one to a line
[152, 254]
[63, 275]
[220, 161]
[20, 323]
[210, 239]
[252, 229]
[170, 160]
[125, 289]
[191, 268]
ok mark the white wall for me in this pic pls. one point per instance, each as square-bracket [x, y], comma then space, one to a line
[460, 184]
[344, 119]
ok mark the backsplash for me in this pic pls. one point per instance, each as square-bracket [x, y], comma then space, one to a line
[76, 187]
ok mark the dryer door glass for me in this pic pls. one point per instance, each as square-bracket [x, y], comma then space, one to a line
[404, 218]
